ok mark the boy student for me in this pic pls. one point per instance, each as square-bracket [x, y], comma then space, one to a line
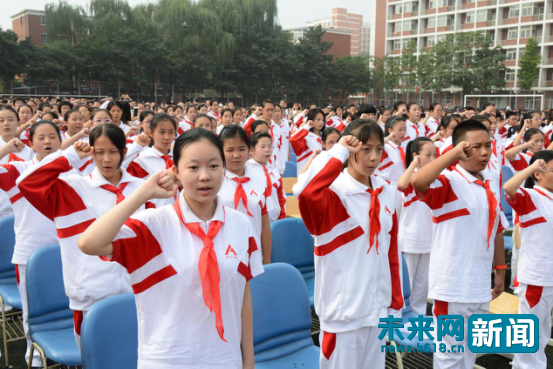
[467, 240]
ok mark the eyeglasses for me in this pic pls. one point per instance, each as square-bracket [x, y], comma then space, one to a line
[102, 121]
[264, 147]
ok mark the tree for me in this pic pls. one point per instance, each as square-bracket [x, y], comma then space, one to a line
[65, 22]
[529, 65]
[351, 74]
[14, 56]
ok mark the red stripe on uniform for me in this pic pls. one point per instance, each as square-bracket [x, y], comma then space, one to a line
[408, 203]
[440, 308]
[75, 229]
[305, 156]
[14, 198]
[154, 279]
[532, 222]
[448, 216]
[245, 271]
[533, 295]
[339, 241]
[17, 273]
[78, 321]
[390, 163]
[328, 345]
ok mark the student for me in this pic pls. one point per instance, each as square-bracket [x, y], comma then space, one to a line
[436, 115]
[74, 202]
[468, 238]
[226, 119]
[276, 134]
[414, 129]
[214, 112]
[357, 265]
[534, 206]
[507, 131]
[187, 124]
[383, 118]
[243, 189]
[416, 227]
[204, 121]
[64, 107]
[116, 109]
[469, 112]
[519, 156]
[261, 152]
[260, 126]
[144, 119]
[392, 165]
[75, 124]
[399, 108]
[32, 229]
[284, 139]
[207, 315]
[330, 137]
[308, 139]
[163, 129]
[446, 127]
[334, 119]
[237, 117]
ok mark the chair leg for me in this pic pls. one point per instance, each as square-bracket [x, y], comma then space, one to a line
[42, 355]
[31, 353]
[4, 337]
[399, 358]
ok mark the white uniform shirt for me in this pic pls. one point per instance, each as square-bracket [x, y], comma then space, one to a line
[432, 126]
[184, 126]
[304, 143]
[416, 228]
[161, 256]
[276, 202]
[392, 164]
[461, 258]
[65, 136]
[535, 210]
[414, 131]
[284, 143]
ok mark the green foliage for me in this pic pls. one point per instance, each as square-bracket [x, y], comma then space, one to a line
[529, 65]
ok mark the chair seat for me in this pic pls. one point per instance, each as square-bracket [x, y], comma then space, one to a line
[305, 358]
[508, 241]
[310, 282]
[8, 280]
[10, 295]
[59, 346]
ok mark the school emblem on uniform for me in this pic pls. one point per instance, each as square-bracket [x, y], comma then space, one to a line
[253, 193]
[230, 253]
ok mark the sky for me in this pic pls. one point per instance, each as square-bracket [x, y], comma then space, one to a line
[292, 13]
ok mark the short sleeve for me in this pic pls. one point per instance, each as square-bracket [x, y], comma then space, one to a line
[440, 193]
[522, 203]
[251, 264]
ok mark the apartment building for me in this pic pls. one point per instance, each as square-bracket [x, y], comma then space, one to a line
[31, 23]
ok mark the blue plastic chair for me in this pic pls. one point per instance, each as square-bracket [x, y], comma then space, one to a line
[9, 293]
[291, 243]
[293, 157]
[507, 174]
[109, 334]
[50, 319]
[282, 320]
[508, 242]
[291, 170]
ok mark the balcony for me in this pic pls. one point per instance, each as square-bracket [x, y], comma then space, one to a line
[548, 39]
[485, 24]
[546, 84]
[537, 18]
[411, 14]
[410, 32]
[547, 61]
[508, 42]
[468, 5]
[549, 16]
[487, 3]
[445, 9]
[467, 25]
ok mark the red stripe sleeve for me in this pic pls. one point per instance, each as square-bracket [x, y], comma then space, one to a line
[299, 143]
[437, 197]
[522, 203]
[281, 199]
[9, 177]
[393, 260]
[136, 170]
[248, 126]
[134, 252]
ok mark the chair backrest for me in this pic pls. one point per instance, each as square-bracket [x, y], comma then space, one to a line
[7, 244]
[109, 334]
[281, 312]
[293, 157]
[291, 170]
[291, 243]
[506, 174]
[46, 300]
[406, 286]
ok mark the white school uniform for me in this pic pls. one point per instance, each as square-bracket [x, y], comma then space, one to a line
[276, 201]
[462, 249]
[73, 203]
[124, 127]
[256, 192]
[356, 281]
[432, 126]
[148, 162]
[414, 130]
[133, 149]
[184, 126]
[304, 143]
[248, 125]
[161, 255]
[336, 122]
[284, 146]
[276, 134]
[522, 161]
[65, 136]
[416, 230]
[25, 155]
[392, 163]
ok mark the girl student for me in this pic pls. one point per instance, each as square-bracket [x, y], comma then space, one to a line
[330, 137]
[534, 205]
[520, 155]
[261, 152]
[416, 225]
[334, 118]
[116, 109]
[238, 117]
[357, 265]
[244, 189]
[447, 125]
[226, 119]
[436, 115]
[393, 161]
[144, 120]
[284, 138]
[8, 131]
[75, 128]
[186, 123]
[208, 322]
[74, 202]
[383, 118]
[159, 156]
[32, 229]
[204, 121]
[308, 138]
[415, 127]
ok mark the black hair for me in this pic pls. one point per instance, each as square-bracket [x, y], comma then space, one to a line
[258, 136]
[160, 117]
[232, 131]
[397, 104]
[257, 123]
[338, 107]
[545, 155]
[460, 132]
[227, 110]
[481, 119]
[366, 109]
[446, 121]
[96, 111]
[434, 105]
[9, 108]
[52, 114]
[486, 105]
[68, 114]
[115, 134]
[21, 106]
[145, 113]
[125, 108]
[44, 105]
[510, 114]
[411, 104]
[38, 124]
[392, 121]
[530, 132]
[77, 107]
[202, 106]
[313, 114]
[470, 108]
[198, 116]
[65, 103]
[415, 147]
[328, 131]
[188, 107]
[194, 135]
[267, 101]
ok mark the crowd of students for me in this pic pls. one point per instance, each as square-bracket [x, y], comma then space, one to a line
[174, 203]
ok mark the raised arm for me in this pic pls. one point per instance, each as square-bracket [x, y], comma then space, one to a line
[511, 154]
[14, 145]
[518, 179]
[85, 132]
[403, 181]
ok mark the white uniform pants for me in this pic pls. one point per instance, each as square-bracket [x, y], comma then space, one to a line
[418, 265]
[21, 273]
[359, 349]
[538, 301]
[450, 360]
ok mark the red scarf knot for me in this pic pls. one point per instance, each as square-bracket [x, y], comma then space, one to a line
[116, 190]
[240, 194]
[374, 217]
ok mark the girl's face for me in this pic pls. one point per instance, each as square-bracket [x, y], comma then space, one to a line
[236, 154]
[203, 122]
[348, 119]
[261, 128]
[25, 114]
[536, 121]
[170, 110]
[191, 114]
[277, 115]
[106, 156]
[200, 171]
[203, 110]
[545, 180]
[448, 132]
[263, 150]
[493, 121]
[116, 114]
[145, 123]
[438, 112]
[319, 122]
[367, 160]
[385, 116]
[414, 113]
[8, 124]
[100, 118]
[331, 140]
[85, 113]
[238, 116]
[400, 130]
[427, 154]
[538, 139]
[75, 123]
[164, 134]
[226, 119]
[339, 112]
[45, 141]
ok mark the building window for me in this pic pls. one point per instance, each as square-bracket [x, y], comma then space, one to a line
[410, 7]
[443, 3]
[432, 4]
[530, 103]
[514, 11]
[398, 9]
[484, 16]
[527, 9]
[43, 20]
[510, 76]
[469, 18]
[511, 55]
[409, 25]
[431, 41]
[444, 21]
[431, 22]
[397, 27]
[44, 38]
[512, 34]
[441, 38]
[526, 32]
[397, 44]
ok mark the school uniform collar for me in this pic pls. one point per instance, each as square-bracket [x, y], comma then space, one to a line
[393, 144]
[412, 124]
[155, 152]
[254, 163]
[188, 215]
[544, 192]
[231, 175]
[469, 177]
[351, 186]
[97, 179]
